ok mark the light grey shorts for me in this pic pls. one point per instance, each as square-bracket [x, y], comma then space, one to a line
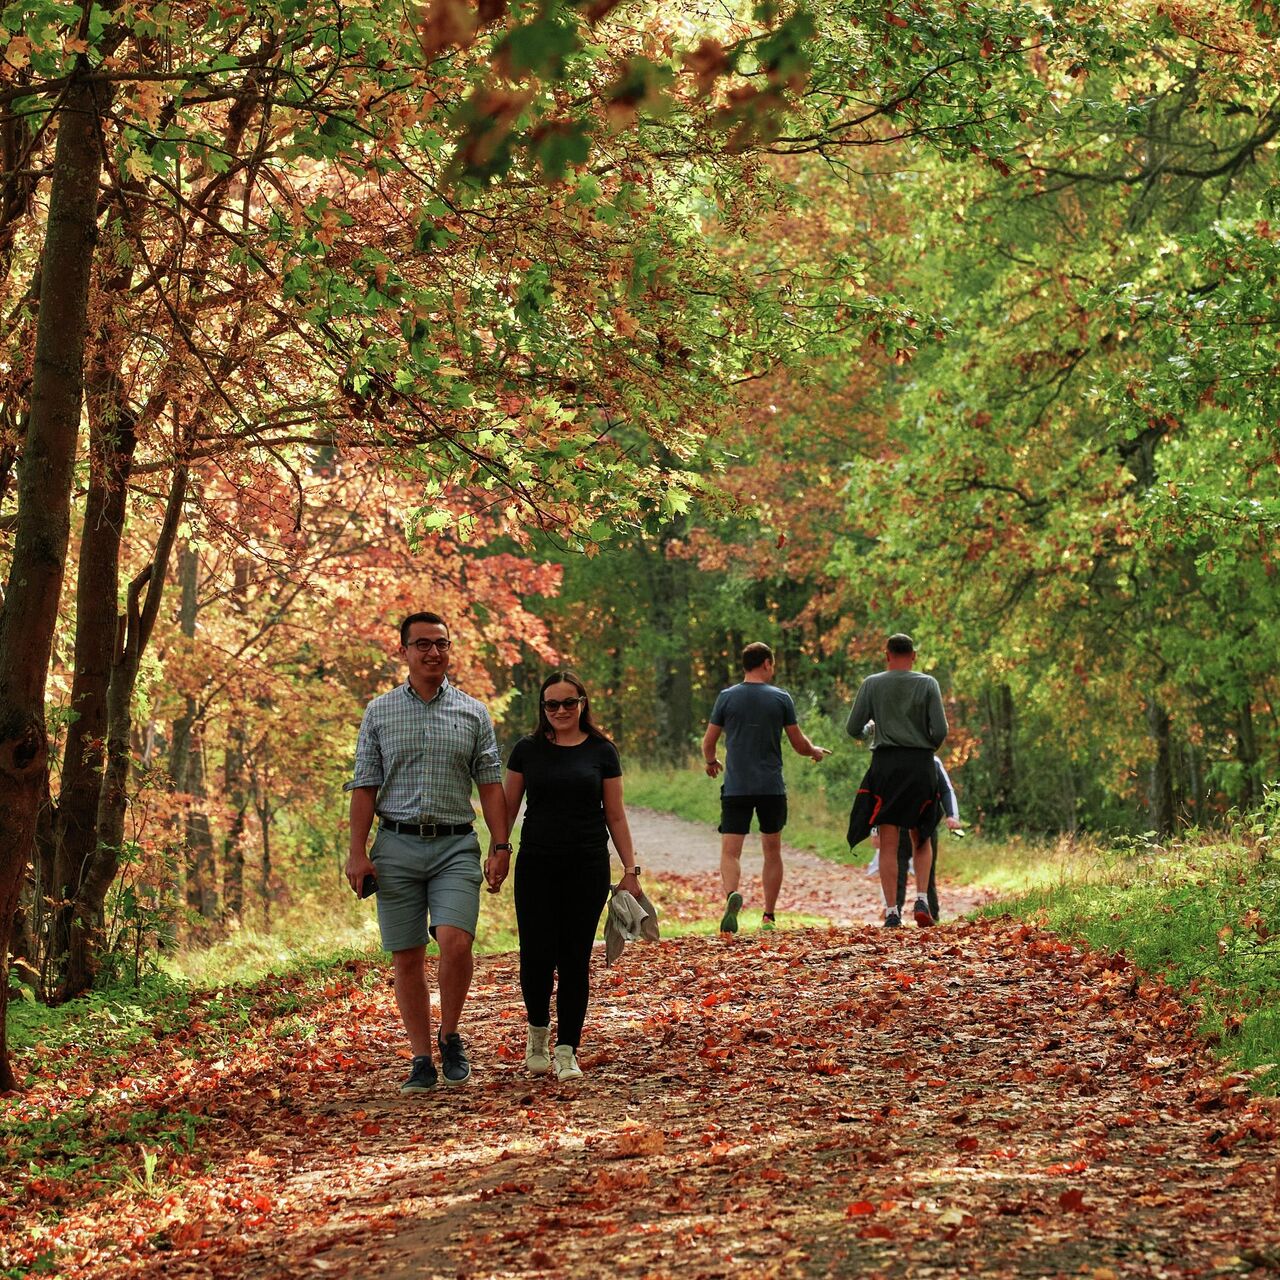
[425, 882]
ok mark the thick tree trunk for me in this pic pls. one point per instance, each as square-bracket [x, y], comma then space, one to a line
[111, 448]
[44, 495]
[103, 861]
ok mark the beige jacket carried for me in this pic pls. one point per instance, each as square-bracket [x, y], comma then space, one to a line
[628, 918]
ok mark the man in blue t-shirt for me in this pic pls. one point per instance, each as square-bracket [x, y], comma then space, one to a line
[753, 716]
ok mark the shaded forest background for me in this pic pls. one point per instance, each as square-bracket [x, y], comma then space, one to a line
[620, 335]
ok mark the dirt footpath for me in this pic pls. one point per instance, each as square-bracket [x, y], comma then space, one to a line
[671, 847]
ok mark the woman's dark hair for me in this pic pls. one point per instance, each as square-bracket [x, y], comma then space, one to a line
[587, 725]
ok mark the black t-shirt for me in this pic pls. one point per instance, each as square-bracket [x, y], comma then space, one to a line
[564, 793]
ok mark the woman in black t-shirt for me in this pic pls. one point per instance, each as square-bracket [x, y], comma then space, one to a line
[570, 775]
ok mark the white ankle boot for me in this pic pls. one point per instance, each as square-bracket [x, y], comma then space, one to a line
[567, 1063]
[537, 1051]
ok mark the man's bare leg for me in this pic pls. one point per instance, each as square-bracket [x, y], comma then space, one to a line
[731, 876]
[731, 861]
[413, 998]
[889, 864]
[456, 968]
[923, 851]
[771, 846]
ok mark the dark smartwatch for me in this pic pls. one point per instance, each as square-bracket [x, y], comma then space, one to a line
[505, 844]
[631, 871]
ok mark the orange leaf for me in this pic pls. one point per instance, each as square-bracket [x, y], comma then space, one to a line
[876, 1231]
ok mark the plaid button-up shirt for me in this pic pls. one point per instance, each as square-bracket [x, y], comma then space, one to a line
[423, 756]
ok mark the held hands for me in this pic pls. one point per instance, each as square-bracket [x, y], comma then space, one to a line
[713, 768]
[496, 867]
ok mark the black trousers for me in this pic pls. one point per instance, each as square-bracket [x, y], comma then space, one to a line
[904, 855]
[559, 898]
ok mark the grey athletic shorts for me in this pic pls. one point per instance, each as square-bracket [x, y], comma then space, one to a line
[425, 883]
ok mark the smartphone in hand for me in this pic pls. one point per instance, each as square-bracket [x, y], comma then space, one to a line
[368, 886]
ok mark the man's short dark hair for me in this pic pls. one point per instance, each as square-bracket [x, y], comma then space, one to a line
[756, 655]
[419, 617]
[900, 643]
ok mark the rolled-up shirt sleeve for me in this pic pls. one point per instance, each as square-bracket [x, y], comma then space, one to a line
[369, 771]
[486, 764]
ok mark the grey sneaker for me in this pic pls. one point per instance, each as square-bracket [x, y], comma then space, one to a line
[892, 920]
[729, 921]
[421, 1078]
[454, 1064]
[537, 1052]
[567, 1063]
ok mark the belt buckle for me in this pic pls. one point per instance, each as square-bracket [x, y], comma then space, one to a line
[427, 830]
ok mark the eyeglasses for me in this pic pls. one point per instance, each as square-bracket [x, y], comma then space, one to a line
[425, 646]
[569, 704]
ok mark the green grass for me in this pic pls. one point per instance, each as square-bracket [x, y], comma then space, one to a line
[1205, 914]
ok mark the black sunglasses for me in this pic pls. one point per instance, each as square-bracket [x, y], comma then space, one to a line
[554, 704]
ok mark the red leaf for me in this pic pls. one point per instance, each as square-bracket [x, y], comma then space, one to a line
[876, 1231]
[859, 1207]
[1072, 1201]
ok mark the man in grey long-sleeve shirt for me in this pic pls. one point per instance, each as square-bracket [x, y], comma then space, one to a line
[900, 788]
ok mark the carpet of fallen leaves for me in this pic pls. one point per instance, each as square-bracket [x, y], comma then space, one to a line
[973, 1100]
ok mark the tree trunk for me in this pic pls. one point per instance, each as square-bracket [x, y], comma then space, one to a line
[673, 667]
[262, 803]
[103, 861]
[1247, 754]
[1161, 797]
[44, 497]
[186, 764]
[112, 440]
[202, 885]
[998, 705]
[235, 786]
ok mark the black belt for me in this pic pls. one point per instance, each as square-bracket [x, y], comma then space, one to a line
[426, 830]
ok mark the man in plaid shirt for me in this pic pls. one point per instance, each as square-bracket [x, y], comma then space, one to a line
[420, 748]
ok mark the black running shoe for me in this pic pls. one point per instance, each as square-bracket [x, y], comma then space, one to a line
[923, 916]
[421, 1078]
[892, 920]
[454, 1063]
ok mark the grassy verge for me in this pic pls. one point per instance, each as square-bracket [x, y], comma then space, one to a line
[1203, 913]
